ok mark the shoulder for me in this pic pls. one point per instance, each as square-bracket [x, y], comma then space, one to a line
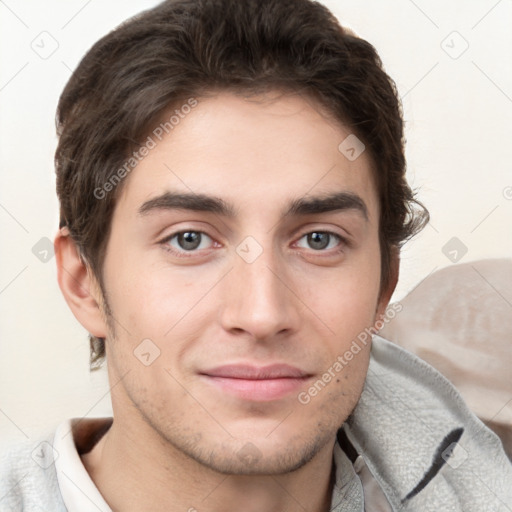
[421, 441]
[28, 479]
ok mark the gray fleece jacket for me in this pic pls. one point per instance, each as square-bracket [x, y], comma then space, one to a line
[411, 444]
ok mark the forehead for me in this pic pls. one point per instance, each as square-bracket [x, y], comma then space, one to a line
[262, 150]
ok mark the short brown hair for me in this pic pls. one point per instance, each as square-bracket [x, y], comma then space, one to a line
[191, 48]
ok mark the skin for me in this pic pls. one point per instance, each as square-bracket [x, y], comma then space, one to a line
[176, 440]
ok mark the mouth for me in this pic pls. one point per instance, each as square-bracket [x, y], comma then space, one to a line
[262, 384]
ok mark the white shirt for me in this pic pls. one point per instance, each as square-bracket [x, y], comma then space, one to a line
[76, 486]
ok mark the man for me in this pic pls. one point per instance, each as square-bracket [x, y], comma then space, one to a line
[233, 200]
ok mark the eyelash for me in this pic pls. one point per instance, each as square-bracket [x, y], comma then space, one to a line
[345, 243]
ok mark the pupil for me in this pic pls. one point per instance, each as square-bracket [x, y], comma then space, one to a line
[189, 240]
[315, 240]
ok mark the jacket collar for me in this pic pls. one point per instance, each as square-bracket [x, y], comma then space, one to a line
[420, 441]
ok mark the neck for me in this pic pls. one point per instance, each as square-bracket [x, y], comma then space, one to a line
[135, 469]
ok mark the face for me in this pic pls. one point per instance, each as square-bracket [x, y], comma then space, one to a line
[207, 301]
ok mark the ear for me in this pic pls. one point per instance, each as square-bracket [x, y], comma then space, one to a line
[386, 294]
[77, 283]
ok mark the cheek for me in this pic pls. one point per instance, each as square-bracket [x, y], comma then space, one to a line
[347, 301]
[148, 299]
[160, 311]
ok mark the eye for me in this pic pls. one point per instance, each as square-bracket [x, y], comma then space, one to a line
[320, 240]
[185, 241]
[189, 241]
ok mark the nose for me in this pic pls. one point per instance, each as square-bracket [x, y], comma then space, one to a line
[259, 297]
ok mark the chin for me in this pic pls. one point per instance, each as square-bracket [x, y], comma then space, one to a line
[260, 456]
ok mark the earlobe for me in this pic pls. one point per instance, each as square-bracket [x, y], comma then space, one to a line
[78, 285]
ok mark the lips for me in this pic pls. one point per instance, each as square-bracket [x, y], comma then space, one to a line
[248, 372]
[252, 383]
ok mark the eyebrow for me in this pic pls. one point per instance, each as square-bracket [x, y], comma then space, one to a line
[338, 201]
